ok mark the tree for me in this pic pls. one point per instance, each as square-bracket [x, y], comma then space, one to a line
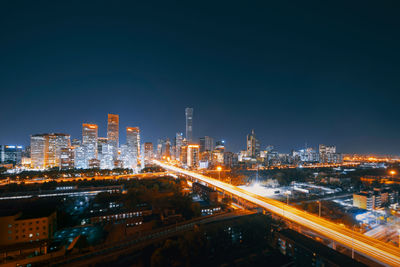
[168, 255]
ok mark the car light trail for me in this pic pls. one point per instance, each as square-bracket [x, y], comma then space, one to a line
[373, 248]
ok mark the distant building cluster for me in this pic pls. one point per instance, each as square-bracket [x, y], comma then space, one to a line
[57, 150]
[379, 197]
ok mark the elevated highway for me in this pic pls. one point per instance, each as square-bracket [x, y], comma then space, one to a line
[381, 252]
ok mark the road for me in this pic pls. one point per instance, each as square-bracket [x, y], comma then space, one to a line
[375, 249]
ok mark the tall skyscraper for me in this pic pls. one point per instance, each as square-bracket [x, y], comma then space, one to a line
[206, 144]
[133, 145]
[104, 153]
[89, 142]
[253, 145]
[113, 134]
[192, 156]
[148, 151]
[189, 124]
[166, 151]
[47, 148]
[178, 145]
[38, 142]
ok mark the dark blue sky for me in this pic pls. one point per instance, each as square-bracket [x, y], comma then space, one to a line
[294, 71]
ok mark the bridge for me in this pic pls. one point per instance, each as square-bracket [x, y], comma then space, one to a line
[374, 249]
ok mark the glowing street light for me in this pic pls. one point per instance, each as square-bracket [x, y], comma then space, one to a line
[392, 173]
[219, 169]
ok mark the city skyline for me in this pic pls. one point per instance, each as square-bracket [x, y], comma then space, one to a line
[242, 144]
[298, 73]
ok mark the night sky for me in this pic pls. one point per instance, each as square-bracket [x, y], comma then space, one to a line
[296, 72]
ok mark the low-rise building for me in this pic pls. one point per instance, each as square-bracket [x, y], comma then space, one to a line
[27, 226]
[205, 192]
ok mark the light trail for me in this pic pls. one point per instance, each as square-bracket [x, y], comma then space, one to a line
[378, 250]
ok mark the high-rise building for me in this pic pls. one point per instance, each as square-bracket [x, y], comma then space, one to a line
[38, 143]
[166, 151]
[105, 153]
[190, 155]
[46, 149]
[327, 154]
[253, 145]
[193, 156]
[133, 146]
[159, 148]
[189, 124]
[178, 145]
[80, 161]
[113, 134]
[220, 145]
[206, 144]
[76, 142]
[54, 144]
[148, 151]
[67, 158]
[89, 142]
[230, 159]
[10, 154]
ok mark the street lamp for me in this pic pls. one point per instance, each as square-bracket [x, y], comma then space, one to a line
[219, 169]
[393, 173]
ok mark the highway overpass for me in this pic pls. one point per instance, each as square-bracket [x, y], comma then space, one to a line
[381, 252]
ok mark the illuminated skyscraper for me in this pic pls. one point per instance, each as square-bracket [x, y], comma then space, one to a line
[189, 124]
[193, 156]
[46, 152]
[38, 143]
[133, 145]
[166, 152]
[253, 145]
[113, 134]
[104, 153]
[10, 154]
[89, 142]
[148, 151]
[206, 144]
[67, 158]
[178, 145]
[54, 144]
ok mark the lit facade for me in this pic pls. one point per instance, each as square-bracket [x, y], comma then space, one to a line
[253, 145]
[22, 228]
[132, 154]
[10, 154]
[38, 143]
[113, 133]
[89, 143]
[178, 145]
[46, 149]
[193, 153]
[148, 150]
[206, 144]
[189, 124]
